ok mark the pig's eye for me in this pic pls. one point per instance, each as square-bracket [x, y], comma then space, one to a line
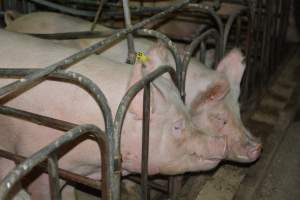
[178, 126]
[219, 120]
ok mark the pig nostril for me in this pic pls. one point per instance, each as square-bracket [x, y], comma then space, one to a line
[255, 151]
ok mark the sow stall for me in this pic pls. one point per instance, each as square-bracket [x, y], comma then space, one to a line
[217, 33]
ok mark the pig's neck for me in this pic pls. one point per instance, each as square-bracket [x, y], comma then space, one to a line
[131, 146]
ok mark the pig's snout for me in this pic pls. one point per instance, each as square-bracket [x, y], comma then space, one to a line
[254, 151]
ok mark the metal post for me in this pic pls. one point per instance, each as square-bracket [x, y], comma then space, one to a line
[130, 43]
[145, 195]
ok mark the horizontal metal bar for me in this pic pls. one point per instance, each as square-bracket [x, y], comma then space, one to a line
[74, 35]
[33, 78]
[152, 184]
[37, 119]
[65, 9]
[64, 174]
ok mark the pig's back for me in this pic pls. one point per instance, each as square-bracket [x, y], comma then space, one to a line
[49, 22]
[19, 51]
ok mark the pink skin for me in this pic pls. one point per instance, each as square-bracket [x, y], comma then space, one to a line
[51, 22]
[176, 145]
[199, 80]
[213, 100]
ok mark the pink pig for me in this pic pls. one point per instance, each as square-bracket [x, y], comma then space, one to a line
[176, 145]
[221, 86]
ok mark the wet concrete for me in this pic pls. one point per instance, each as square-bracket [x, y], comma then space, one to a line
[282, 182]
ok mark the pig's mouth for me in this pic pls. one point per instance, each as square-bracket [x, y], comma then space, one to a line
[217, 155]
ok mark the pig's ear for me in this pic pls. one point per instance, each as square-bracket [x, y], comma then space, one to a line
[233, 66]
[10, 16]
[136, 106]
[158, 55]
[215, 92]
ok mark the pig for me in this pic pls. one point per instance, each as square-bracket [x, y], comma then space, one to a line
[51, 22]
[212, 98]
[200, 81]
[176, 144]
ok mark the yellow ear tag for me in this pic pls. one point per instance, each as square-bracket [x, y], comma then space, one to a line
[141, 57]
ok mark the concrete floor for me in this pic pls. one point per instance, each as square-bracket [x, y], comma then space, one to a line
[282, 182]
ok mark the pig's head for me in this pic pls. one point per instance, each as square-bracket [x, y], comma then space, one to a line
[176, 145]
[212, 97]
[217, 109]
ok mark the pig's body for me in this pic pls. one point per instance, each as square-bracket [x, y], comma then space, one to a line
[224, 83]
[50, 22]
[175, 145]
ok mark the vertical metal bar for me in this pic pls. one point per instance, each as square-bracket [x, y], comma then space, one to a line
[130, 43]
[175, 183]
[96, 19]
[238, 31]
[145, 195]
[202, 52]
[53, 177]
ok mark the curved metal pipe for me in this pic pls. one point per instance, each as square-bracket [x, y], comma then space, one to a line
[27, 165]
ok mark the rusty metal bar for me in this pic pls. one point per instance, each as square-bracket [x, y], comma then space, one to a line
[32, 78]
[130, 42]
[202, 52]
[64, 8]
[228, 26]
[217, 19]
[74, 35]
[64, 174]
[97, 16]
[130, 94]
[98, 96]
[145, 195]
[37, 119]
[152, 184]
[53, 176]
[26, 166]
[188, 53]
[171, 46]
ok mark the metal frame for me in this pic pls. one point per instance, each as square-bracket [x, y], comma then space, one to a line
[262, 18]
[33, 77]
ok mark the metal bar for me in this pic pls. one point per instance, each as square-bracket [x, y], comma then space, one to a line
[202, 52]
[175, 184]
[74, 35]
[171, 46]
[26, 166]
[53, 177]
[37, 119]
[130, 94]
[100, 99]
[99, 10]
[32, 78]
[238, 32]
[217, 19]
[64, 174]
[188, 53]
[64, 8]
[130, 43]
[228, 26]
[152, 184]
[145, 195]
